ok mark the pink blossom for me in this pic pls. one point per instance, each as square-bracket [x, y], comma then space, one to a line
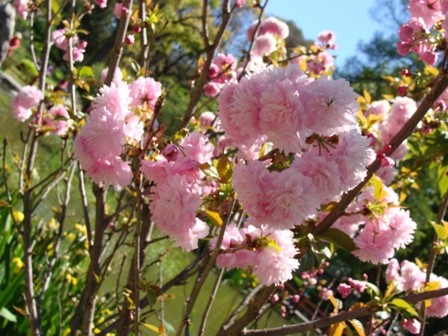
[429, 57]
[272, 26]
[145, 91]
[78, 52]
[439, 305]
[101, 3]
[412, 30]
[26, 99]
[326, 294]
[330, 104]
[320, 63]
[280, 115]
[206, 119]
[276, 199]
[352, 155]
[357, 285]
[197, 147]
[428, 10]
[239, 3]
[411, 325]
[21, 7]
[379, 238]
[212, 89]
[181, 225]
[345, 290]
[56, 120]
[275, 265]
[238, 111]
[380, 107]
[322, 172]
[264, 45]
[59, 39]
[327, 39]
[99, 143]
[402, 110]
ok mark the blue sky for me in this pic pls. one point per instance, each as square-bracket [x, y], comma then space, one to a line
[349, 19]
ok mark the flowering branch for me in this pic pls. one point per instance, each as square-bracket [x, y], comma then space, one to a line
[440, 84]
[210, 50]
[252, 40]
[202, 276]
[325, 322]
[119, 42]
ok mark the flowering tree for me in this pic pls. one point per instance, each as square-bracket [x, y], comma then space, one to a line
[290, 169]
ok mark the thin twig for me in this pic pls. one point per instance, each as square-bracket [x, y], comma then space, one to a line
[252, 40]
[210, 302]
[85, 206]
[202, 276]
[210, 50]
[119, 42]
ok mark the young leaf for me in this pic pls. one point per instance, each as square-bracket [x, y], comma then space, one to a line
[339, 238]
[358, 327]
[441, 230]
[404, 305]
[214, 217]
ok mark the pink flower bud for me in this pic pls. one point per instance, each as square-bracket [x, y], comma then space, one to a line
[274, 298]
[296, 298]
[402, 90]
[130, 39]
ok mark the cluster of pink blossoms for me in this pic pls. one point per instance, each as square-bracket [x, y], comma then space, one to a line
[416, 36]
[407, 276]
[268, 39]
[269, 253]
[322, 61]
[222, 70]
[312, 118]
[113, 123]
[60, 40]
[285, 107]
[180, 183]
[380, 233]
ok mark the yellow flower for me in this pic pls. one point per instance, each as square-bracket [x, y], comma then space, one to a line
[18, 264]
[18, 216]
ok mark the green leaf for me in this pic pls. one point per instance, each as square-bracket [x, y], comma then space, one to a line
[86, 71]
[442, 179]
[404, 305]
[151, 327]
[7, 315]
[28, 68]
[441, 230]
[339, 238]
